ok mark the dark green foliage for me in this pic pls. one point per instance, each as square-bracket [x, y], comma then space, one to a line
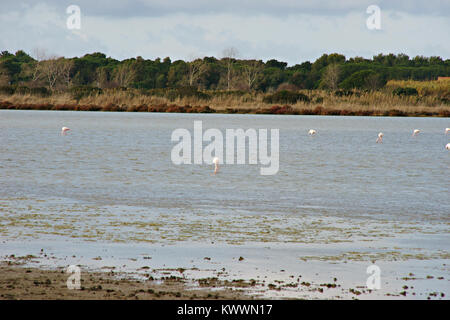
[357, 80]
[79, 92]
[40, 91]
[285, 96]
[98, 70]
[7, 90]
[234, 93]
[407, 91]
[275, 64]
[343, 93]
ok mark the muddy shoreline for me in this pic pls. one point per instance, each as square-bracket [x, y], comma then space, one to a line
[43, 275]
[18, 282]
[274, 110]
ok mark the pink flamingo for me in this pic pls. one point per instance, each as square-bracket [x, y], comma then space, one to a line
[447, 130]
[415, 132]
[447, 146]
[380, 137]
[64, 131]
[216, 164]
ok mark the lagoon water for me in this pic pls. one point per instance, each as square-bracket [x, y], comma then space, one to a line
[111, 180]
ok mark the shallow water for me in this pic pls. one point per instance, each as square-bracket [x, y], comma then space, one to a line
[111, 180]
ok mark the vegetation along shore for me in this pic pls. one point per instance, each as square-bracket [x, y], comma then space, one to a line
[387, 85]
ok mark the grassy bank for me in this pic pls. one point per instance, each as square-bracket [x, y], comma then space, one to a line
[398, 98]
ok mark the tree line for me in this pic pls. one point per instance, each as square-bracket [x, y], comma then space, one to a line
[330, 71]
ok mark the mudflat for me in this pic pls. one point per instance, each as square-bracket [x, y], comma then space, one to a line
[18, 282]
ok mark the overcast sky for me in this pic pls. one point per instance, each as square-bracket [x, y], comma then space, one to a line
[288, 30]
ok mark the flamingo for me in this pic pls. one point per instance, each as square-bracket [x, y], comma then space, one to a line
[312, 132]
[380, 137]
[447, 146]
[216, 164]
[64, 130]
[447, 130]
[415, 132]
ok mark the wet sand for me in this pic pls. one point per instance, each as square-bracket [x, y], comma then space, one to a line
[23, 283]
[213, 272]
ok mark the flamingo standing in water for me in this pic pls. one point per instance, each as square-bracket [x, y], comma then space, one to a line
[312, 132]
[380, 137]
[447, 146]
[216, 164]
[447, 130]
[64, 130]
[415, 132]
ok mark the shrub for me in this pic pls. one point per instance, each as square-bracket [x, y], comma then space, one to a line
[357, 79]
[318, 100]
[285, 96]
[342, 93]
[40, 91]
[406, 91]
[173, 93]
[7, 90]
[22, 90]
[186, 92]
[79, 92]
[233, 93]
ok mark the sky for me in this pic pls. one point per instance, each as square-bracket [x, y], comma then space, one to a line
[286, 30]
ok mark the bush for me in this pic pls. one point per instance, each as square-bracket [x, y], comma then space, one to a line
[342, 93]
[40, 91]
[285, 97]
[232, 93]
[7, 90]
[186, 92]
[318, 100]
[357, 80]
[79, 92]
[406, 91]
[175, 93]
[22, 90]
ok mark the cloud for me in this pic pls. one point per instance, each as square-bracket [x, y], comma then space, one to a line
[152, 8]
[291, 31]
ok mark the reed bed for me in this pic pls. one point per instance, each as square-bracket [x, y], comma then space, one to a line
[377, 103]
[440, 88]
